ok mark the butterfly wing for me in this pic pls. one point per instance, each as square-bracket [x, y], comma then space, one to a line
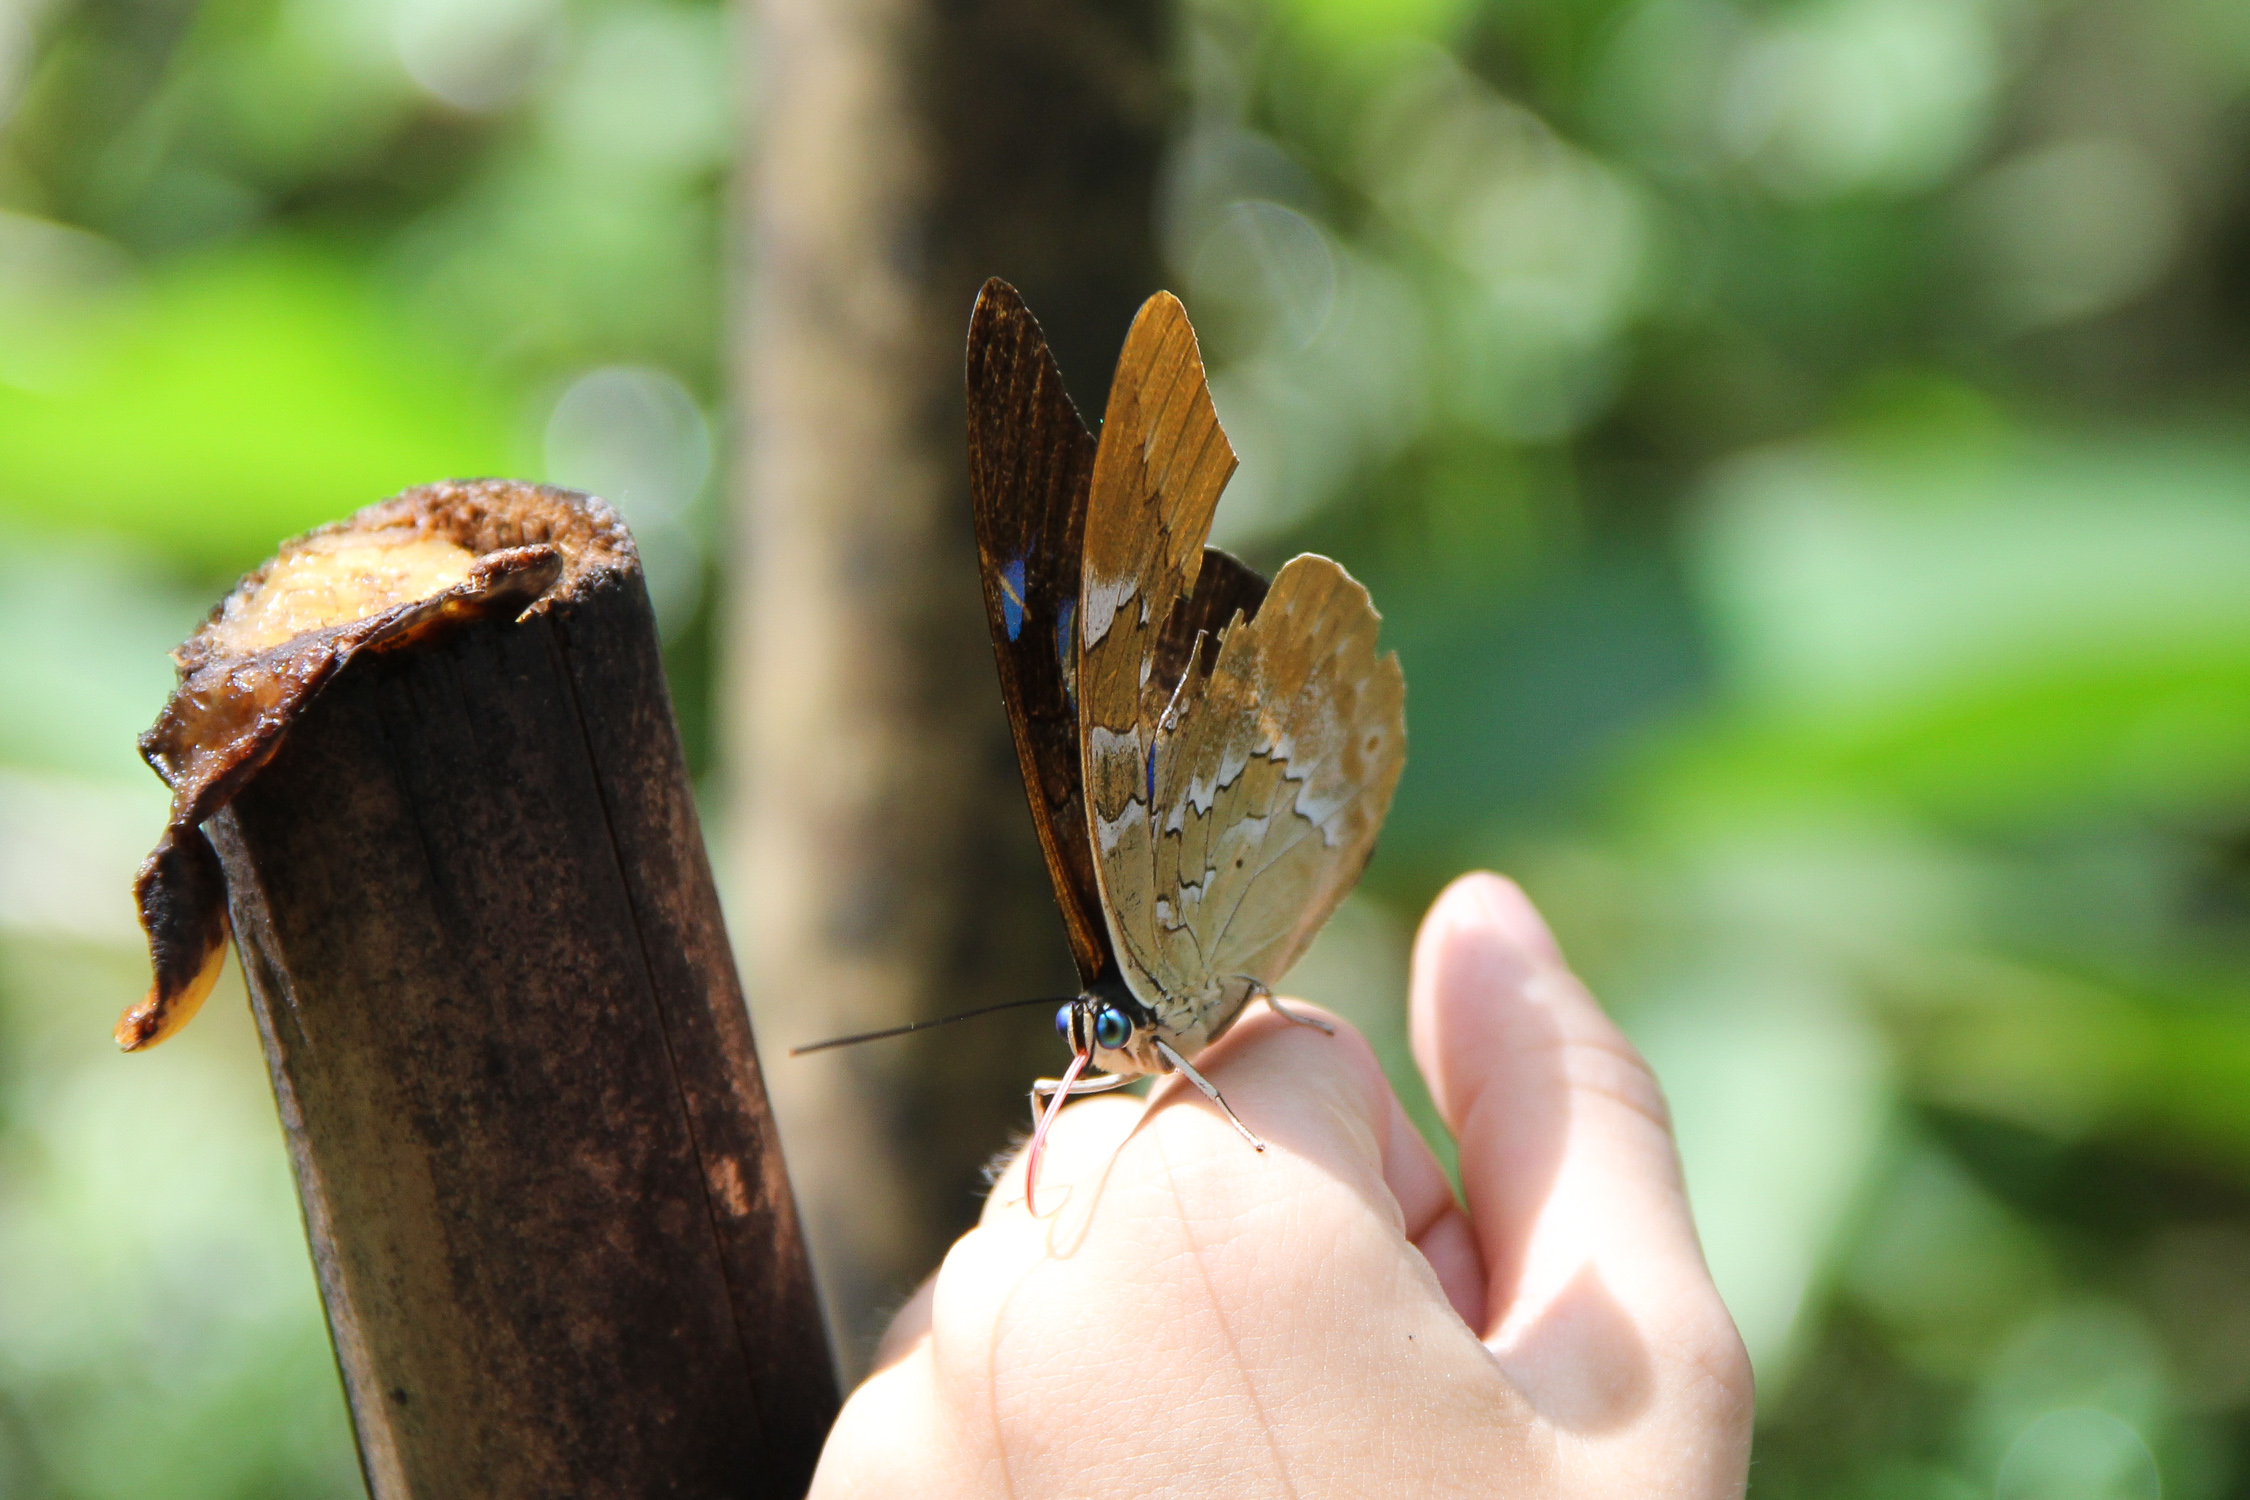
[1224, 587]
[1030, 464]
[1160, 467]
[1233, 792]
[1274, 782]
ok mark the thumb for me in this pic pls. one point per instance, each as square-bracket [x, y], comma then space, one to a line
[1595, 1280]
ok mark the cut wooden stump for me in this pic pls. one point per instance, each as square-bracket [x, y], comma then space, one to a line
[545, 1198]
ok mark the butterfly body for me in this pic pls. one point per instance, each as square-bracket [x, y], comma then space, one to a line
[1208, 758]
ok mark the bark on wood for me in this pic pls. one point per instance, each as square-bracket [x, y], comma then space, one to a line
[546, 1202]
[887, 868]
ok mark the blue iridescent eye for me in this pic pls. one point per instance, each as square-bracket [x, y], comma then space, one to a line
[1111, 1029]
[1062, 1022]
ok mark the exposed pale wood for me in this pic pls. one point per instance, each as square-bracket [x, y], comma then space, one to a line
[542, 1185]
[886, 870]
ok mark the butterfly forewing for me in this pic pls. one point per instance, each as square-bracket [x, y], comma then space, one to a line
[1157, 476]
[1233, 792]
[1160, 468]
[1031, 461]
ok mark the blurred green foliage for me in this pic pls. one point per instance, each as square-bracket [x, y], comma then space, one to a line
[261, 262]
[1799, 450]
[1798, 446]
[263, 393]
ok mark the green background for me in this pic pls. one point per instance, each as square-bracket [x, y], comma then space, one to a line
[1799, 449]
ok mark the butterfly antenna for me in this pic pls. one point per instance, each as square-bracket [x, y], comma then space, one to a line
[890, 1031]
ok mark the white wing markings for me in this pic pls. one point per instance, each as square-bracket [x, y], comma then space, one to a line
[1280, 747]
[1309, 806]
[1218, 939]
[1111, 742]
[1103, 600]
[1259, 826]
[1251, 828]
[1112, 831]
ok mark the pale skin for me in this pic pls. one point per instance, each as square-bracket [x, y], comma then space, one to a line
[1191, 1317]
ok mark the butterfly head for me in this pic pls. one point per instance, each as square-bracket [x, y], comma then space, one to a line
[1116, 1035]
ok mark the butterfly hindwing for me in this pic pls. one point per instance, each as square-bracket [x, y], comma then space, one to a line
[1031, 462]
[1273, 784]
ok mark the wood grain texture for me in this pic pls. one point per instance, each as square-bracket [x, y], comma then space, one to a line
[1031, 463]
[545, 1196]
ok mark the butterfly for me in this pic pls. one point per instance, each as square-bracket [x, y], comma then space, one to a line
[1208, 757]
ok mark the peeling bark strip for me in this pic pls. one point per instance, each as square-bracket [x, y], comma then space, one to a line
[462, 861]
[234, 704]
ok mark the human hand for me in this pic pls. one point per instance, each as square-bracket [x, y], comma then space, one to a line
[1324, 1318]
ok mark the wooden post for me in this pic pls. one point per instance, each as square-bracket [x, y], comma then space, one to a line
[903, 151]
[546, 1202]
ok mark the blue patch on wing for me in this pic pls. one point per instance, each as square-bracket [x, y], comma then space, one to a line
[1011, 597]
[1152, 779]
[1066, 655]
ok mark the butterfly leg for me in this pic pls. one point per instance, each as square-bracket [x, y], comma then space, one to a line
[1210, 1092]
[1273, 1002]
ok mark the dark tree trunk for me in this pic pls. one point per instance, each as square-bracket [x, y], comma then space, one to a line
[887, 868]
[544, 1194]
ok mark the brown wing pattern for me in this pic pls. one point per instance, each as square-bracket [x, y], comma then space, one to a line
[1157, 477]
[1234, 792]
[1273, 785]
[1030, 464]
[1224, 586]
